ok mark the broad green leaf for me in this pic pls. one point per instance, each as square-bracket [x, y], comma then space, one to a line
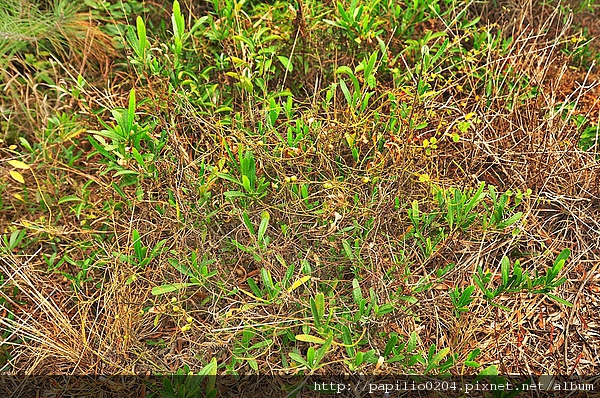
[264, 223]
[69, 199]
[346, 92]
[287, 64]
[298, 358]
[510, 221]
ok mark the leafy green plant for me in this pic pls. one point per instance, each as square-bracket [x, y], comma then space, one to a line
[459, 207]
[317, 309]
[360, 22]
[142, 254]
[495, 215]
[138, 41]
[186, 384]
[129, 141]
[196, 270]
[253, 186]
[249, 347]
[461, 300]
[589, 138]
[259, 237]
[314, 357]
[11, 242]
[426, 230]
[357, 95]
[519, 280]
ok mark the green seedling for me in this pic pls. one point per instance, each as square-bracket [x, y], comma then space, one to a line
[459, 207]
[186, 384]
[252, 186]
[314, 357]
[260, 240]
[129, 140]
[138, 41]
[143, 255]
[461, 300]
[196, 271]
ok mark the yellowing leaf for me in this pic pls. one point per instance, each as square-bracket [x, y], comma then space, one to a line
[19, 197]
[350, 138]
[307, 338]
[424, 177]
[17, 164]
[17, 176]
[298, 283]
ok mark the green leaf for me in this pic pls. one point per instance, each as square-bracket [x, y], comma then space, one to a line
[246, 184]
[561, 258]
[248, 223]
[491, 370]
[254, 287]
[347, 340]
[348, 250]
[234, 194]
[137, 245]
[96, 143]
[356, 292]
[69, 199]
[287, 64]
[559, 300]
[411, 345]
[510, 221]
[439, 52]
[138, 157]
[310, 356]
[130, 113]
[385, 309]
[346, 92]
[264, 223]
[321, 352]
[390, 344]
[119, 190]
[265, 275]
[505, 268]
[437, 358]
[142, 39]
[178, 21]
[465, 297]
[369, 70]
[180, 267]
[210, 370]
[173, 287]
[299, 359]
